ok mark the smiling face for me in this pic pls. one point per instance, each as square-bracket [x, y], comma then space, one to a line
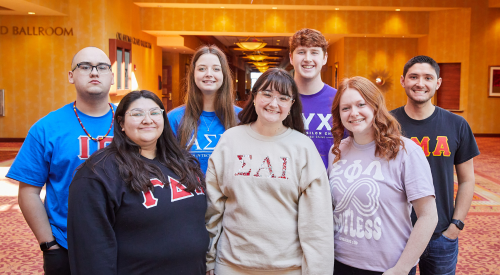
[357, 116]
[308, 61]
[420, 83]
[143, 130]
[91, 85]
[272, 107]
[208, 74]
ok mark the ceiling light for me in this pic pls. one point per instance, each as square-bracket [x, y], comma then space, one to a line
[257, 56]
[31, 12]
[159, 6]
[398, 9]
[260, 64]
[275, 8]
[251, 44]
[337, 9]
[221, 7]
[278, 40]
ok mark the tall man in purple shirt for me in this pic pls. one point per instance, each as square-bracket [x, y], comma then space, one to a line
[308, 55]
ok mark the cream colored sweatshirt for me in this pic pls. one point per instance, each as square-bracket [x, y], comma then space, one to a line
[269, 205]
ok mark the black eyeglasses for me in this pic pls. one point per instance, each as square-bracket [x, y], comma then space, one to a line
[87, 68]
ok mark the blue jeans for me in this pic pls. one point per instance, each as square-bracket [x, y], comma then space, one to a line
[439, 257]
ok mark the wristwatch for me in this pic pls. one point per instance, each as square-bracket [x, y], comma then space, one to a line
[46, 245]
[460, 224]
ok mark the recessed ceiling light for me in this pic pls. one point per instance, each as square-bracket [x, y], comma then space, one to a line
[221, 7]
[403, 36]
[398, 9]
[175, 48]
[275, 8]
[278, 40]
[337, 9]
[159, 6]
[31, 12]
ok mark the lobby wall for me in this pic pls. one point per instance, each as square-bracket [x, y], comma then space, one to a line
[34, 68]
[365, 56]
[483, 111]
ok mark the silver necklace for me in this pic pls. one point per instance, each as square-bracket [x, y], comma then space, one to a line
[208, 126]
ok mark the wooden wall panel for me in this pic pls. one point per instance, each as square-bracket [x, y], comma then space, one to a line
[448, 95]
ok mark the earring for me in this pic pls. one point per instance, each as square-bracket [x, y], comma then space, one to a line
[123, 130]
[288, 112]
[254, 103]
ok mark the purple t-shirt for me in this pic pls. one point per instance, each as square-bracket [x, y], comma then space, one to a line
[317, 116]
[372, 199]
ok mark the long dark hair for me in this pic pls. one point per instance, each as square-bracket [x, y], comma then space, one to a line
[223, 104]
[388, 140]
[133, 169]
[283, 82]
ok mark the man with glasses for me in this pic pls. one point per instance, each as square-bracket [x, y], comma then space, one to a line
[55, 146]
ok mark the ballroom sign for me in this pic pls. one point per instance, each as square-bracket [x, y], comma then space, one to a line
[45, 31]
[133, 40]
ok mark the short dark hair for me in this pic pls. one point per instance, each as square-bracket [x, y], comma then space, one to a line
[421, 59]
[283, 82]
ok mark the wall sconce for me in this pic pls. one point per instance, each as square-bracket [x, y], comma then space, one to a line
[382, 79]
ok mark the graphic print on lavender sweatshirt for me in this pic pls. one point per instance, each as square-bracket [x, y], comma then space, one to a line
[372, 199]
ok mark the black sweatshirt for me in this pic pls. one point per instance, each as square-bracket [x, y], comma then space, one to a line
[114, 230]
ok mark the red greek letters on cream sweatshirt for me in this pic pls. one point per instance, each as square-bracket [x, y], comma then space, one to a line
[269, 205]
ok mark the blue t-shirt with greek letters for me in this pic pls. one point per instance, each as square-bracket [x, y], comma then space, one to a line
[54, 147]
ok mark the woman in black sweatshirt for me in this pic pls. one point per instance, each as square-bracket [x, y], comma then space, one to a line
[138, 205]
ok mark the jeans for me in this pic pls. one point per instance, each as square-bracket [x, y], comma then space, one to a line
[343, 269]
[56, 262]
[439, 257]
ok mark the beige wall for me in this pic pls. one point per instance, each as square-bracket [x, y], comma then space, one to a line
[33, 69]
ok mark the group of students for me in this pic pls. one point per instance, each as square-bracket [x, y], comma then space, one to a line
[304, 179]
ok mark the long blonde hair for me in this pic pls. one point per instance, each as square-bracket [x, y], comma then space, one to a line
[223, 104]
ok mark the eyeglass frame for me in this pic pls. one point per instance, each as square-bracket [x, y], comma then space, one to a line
[147, 113]
[291, 101]
[92, 69]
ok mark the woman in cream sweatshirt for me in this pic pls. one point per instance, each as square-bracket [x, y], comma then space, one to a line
[269, 208]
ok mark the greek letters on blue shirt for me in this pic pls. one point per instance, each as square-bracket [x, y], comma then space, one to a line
[210, 129]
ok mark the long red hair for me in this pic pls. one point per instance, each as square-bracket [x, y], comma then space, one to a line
[388, 140]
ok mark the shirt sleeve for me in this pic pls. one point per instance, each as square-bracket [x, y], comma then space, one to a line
[315, 223]
[467, 148]
[216, 201]
[173, 121]
[91, 238]
[416, 174]
[32, 163]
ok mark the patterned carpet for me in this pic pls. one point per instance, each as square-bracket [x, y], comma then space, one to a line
[479, 242]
